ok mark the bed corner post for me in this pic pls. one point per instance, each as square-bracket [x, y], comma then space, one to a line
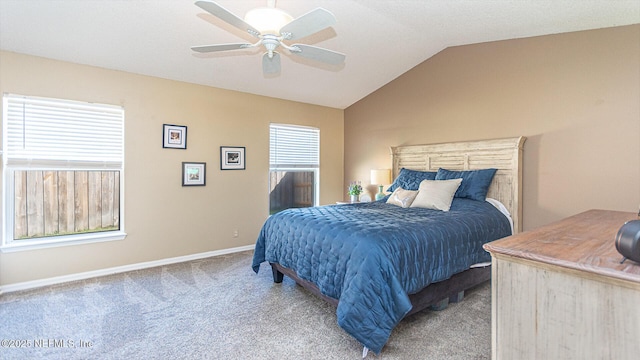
[277, 275]
[394, 162]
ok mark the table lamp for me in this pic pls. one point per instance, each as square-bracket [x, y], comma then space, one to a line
[380, 177]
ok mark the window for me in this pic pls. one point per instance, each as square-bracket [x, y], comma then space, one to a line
[63, 165]
[294, 163]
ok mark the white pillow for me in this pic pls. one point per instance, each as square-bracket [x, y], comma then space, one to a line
[436, 194]
[402, 197]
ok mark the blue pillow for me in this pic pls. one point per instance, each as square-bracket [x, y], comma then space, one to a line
[475, 183]
[411, 179]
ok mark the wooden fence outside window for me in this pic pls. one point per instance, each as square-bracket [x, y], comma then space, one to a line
[290, 189]
[50, 203]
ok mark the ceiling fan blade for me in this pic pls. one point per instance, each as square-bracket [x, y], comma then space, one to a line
[271, 65]
[317, 53]
[221, 47]
[307, 24]
[226, 16]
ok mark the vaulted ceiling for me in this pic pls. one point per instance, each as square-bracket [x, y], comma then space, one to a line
[381, 39]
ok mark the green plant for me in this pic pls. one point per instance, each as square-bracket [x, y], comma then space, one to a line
[355, 188]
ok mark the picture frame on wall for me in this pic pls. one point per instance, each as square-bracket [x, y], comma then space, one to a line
[174, 136]
[194, 174]
[232, 158]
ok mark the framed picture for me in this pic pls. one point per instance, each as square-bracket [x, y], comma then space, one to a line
[232, 158]
[174, 136]
[194, 173]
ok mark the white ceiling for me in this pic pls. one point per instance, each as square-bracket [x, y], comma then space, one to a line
[382, 39]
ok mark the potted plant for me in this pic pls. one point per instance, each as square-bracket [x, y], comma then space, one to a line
[355, 189]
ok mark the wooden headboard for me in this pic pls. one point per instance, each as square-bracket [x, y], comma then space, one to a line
[502, 154]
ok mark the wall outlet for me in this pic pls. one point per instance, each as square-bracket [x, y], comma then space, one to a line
[235, 233]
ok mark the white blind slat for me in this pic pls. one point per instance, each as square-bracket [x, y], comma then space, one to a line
[62, 131]
[294, 146]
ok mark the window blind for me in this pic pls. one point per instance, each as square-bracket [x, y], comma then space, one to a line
[293, 146]
[62, 133]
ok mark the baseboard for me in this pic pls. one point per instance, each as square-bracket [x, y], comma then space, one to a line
[27, 285]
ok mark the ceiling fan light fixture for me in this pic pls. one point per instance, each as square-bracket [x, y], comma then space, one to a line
[267, 20]
[272, 27]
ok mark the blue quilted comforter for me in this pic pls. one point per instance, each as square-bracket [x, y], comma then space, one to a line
[370, 256]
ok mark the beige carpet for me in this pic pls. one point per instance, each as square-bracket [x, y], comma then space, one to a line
[218, 308]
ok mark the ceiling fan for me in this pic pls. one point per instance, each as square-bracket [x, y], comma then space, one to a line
[272, 27]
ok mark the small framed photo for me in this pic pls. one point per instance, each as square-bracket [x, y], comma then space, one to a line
[194, 173]
[232, 158]
[174, 136]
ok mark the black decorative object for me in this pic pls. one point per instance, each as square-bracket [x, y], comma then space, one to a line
[628, 240]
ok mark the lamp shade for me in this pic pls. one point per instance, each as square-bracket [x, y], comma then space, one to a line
[381, 176]
[267, 20]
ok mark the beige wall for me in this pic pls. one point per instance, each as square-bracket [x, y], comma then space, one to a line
[162, 218]
[575, 96]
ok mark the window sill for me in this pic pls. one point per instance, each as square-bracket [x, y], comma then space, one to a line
[58, 241]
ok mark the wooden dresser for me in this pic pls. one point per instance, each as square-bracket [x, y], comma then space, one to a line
[560, 292]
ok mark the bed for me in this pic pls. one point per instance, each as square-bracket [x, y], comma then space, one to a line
[378, 262]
